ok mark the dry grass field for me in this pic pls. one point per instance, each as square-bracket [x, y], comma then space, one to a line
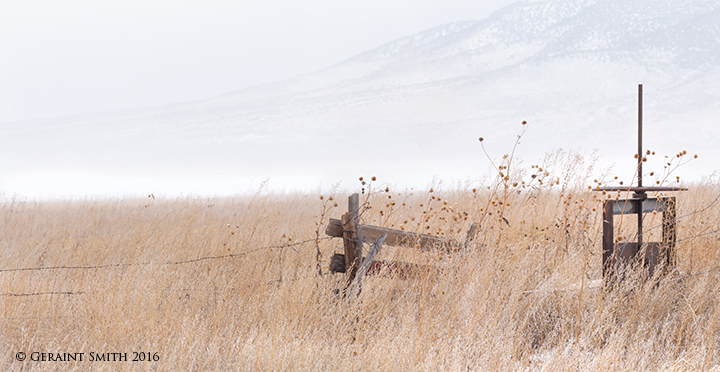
[232, 284]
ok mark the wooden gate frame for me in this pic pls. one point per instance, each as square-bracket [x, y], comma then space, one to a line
[353, 234]
[650, 254]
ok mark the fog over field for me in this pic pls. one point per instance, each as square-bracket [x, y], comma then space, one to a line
[411, 110]
[259, 187]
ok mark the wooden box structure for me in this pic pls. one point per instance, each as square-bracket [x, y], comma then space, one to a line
[650, 254]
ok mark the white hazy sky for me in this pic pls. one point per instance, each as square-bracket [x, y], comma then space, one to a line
[78, 56]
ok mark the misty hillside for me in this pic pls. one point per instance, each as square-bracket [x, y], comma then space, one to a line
[414, 108]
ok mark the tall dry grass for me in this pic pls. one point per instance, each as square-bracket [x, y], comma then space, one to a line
[193, 281]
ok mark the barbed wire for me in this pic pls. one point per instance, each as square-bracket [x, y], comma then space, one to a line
[70, 293]
[232, 255]
[41, 293]
[117, 265]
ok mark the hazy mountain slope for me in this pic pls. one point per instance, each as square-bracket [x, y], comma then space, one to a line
[414, 107]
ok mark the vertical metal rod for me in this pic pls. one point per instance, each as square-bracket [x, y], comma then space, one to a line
[640, 173]
[640, 135]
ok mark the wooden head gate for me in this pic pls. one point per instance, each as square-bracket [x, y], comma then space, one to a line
[650, 254]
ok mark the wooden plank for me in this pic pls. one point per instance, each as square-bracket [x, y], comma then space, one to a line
[356, 287]
[401, 270]
[395, 237]
[640, 189]
[669, 231]
[629, 206]
[471, 234]
[337, 263]
[653, 256]
[334, 228]
[392, 269]
[608, 242]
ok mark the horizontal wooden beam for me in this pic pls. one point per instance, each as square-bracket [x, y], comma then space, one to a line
[395, 237]
[629, 206]
[640, 188]
[387, 269]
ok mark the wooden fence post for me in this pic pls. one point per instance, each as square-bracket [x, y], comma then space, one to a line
[354, 209]
[351, 238]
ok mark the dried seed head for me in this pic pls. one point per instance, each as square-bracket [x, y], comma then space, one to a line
[524, 122]
[481, 139]
[374, 178]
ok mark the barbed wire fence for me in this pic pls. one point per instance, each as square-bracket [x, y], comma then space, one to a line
[182, 262]
[315, 240]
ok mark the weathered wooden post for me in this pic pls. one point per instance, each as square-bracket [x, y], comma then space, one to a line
[351, 237]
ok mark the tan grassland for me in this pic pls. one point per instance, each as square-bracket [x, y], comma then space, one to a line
[232, 283]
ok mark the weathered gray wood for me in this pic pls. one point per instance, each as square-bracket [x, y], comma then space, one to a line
[394, 237]
[334, 228]
[392, 269]
[471, 234]
[337, 263]
[374, 249]
[349, 245]
[608, 238]
[629, 206]
[669, 230]
[354, 210]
